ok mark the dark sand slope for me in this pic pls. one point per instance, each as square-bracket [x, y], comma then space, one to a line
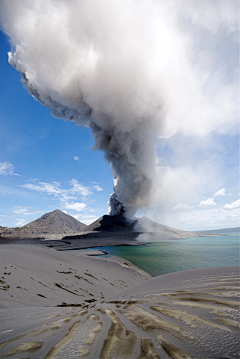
[36, 276]
[190, 314]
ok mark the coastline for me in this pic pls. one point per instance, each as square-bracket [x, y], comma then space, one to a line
[56, 302]
[119, 312]
[92, 252]
[91, 239]
[80, 241]
[37, 275]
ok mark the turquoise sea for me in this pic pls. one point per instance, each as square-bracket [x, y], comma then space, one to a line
[167, 256]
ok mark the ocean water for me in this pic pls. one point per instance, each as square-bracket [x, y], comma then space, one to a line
[167, 256]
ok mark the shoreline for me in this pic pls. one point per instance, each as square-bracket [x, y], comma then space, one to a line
[61, 302]
[41, 276]
[61, 242]
[153, 317]
[91, 252]
[77, 243]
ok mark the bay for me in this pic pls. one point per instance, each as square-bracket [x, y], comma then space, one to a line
[167, 256]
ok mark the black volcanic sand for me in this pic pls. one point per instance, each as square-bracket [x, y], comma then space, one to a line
[38, 276]
[65, 305]
[84, 241]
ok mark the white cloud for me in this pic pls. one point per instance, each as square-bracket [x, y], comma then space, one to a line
[220, 192]
[201, 219]
[79, 188]
[208, 202]
[20, 210]
[233, 205]
[75, 206]
[76, 158]
[87, 219]
[181, 207]
[23, 211]
[72, 198]
[49, 188]
[20, 222]
[97, 187]
[56, 190]
[6, 168]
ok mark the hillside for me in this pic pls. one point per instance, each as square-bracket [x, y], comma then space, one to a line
[118, 224]
[146, 225]
[55, 222]
[111, 224]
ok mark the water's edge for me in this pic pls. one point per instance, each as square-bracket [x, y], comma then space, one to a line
[167, 256]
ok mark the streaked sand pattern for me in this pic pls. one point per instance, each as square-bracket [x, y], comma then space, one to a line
[189, 314]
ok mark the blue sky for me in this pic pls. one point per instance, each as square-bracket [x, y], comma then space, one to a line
[42, 149]
[48, 163]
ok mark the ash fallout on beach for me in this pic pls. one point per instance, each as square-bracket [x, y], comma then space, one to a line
[132, 71]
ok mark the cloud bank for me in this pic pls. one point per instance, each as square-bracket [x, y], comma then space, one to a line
[68, 197]
[131, 71]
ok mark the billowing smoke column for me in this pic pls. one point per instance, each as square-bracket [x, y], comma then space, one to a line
[125, 68]
[115, 207]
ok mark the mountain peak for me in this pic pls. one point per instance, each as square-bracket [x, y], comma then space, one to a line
[55, 222]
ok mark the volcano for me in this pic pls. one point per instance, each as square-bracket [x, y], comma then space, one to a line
[119, 224]
[115, 223]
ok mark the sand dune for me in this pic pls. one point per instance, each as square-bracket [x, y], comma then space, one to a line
[67, 305]
[189, 314]
[37, 276]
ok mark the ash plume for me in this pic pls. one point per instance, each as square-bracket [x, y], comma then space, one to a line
[132, 71]
[115, 206]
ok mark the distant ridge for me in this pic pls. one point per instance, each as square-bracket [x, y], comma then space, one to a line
[224, 230]
[55, 222]
[59, 223]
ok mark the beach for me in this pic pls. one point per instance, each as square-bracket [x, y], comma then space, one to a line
[68, 304]
[33, 275]
[61, 242]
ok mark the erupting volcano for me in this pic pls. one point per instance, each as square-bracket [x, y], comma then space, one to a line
[131, 71]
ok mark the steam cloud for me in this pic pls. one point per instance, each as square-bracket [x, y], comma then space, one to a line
[131, 71]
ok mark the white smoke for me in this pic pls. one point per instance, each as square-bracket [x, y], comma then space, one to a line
[130, 70]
